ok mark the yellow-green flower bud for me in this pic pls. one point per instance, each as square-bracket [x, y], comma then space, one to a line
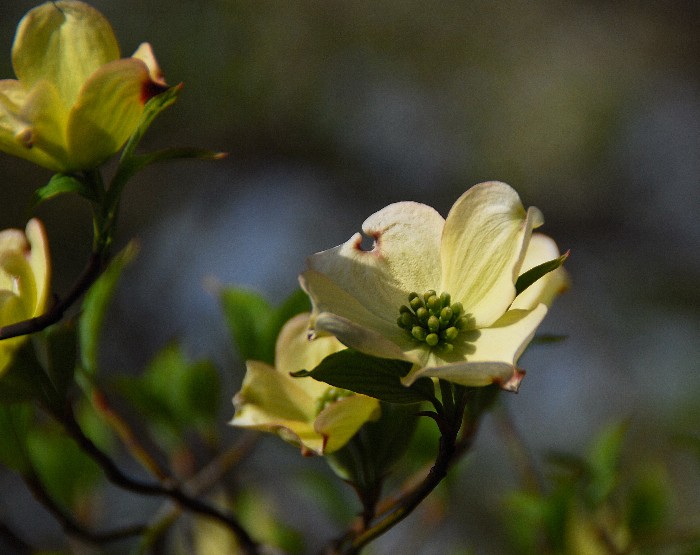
[74, 102]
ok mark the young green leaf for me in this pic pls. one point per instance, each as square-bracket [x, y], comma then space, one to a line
[14, 426]
[151, 111]
[248, 316]
[255, 324]
[95, 307]
[532, 275]
[175, 394]
[26, 380]
[61, 184]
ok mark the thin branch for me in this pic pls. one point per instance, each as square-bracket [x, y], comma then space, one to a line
[410, 501]
[92, 271]
[204, 480]
[11, 539]
[126, 434]
[69, 524]
[166, 489]
[458, 430]
[449, 421]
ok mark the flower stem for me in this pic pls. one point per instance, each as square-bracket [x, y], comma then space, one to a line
[449, 416]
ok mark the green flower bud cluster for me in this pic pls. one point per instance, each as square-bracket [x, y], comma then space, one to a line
[433, 319]
[331, 395]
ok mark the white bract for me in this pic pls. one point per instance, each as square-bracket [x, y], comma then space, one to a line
[439, 293]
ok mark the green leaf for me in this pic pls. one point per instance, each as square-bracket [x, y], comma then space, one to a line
[372, 376]
[151, 111]
[136, 163]
[14, 426]
[548, 339]
[175, 394]
[532, 275]
[296, 303]
[603, 461]
[61, 184]
[65, 471]
[248, 316]
[129, 163]
[649, 500]
[367, 459]
[57, 351]
[95, 307]
[255, 324]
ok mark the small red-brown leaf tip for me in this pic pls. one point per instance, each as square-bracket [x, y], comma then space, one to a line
[513, 383]
[306, 452]
[149, 89]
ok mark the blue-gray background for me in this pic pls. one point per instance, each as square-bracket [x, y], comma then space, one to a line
[331, 110]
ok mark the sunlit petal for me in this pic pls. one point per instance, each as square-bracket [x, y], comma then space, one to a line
[64, 43]
[482, 248]
[339, 421]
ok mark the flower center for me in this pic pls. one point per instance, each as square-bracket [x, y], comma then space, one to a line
[331, 395]
[432, 319]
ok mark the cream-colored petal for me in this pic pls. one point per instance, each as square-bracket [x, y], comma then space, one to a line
[339, 421]
[297, 432]
[145, 53]
[268, 395]
[492, 355]
[46, 116]
[472, 374]
[107, 112]
[295, 351]
[63, 42]
[507, 338]
[11, 311]
[540, 250]
[40, 263]
[13, 92]
[12, 96]
[32, 124]
[404, 258]
[337, 313]
[15, 264]
[361, 338]
[13, 240]
[483, 245]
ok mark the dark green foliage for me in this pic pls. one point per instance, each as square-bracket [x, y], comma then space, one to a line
[255, 324]
[372, 376]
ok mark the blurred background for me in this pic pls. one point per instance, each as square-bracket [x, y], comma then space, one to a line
[331, 110]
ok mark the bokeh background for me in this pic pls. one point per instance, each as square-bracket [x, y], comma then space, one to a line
[331, 110]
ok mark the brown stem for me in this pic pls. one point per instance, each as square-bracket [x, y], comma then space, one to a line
[17, 544]
[92, 271]
[69, 524]
[166, 489]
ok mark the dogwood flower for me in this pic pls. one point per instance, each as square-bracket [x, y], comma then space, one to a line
[74, 102]
[318, 417]
[25, 272]
[439, 293]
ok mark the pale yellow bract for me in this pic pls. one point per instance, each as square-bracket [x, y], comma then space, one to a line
[25, 272]
[475, 256]
[74, 102]
[300, 410]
